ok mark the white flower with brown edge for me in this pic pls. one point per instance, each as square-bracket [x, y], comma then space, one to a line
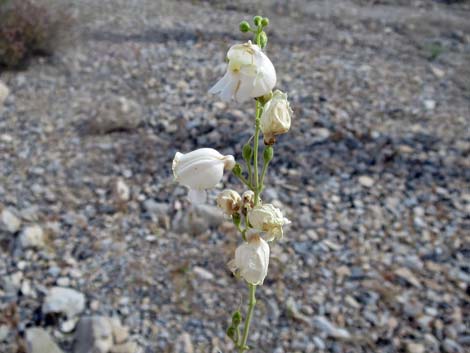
[229, 201]
[276, 117]
[250, 74]
[200, 170]
[269, 219]
[251, 260]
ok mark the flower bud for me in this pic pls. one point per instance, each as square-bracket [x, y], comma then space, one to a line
[268, 154]
[265, 22]
[276, 117]
[269, 219]
[231, 333]
[237, 170]
[247, 152]
[257, 20]
[244, 26]
[252, 260]
[200, 169]
[229, 201]
[248, 199]
[236, 318]
[263, 40]
[250, 74]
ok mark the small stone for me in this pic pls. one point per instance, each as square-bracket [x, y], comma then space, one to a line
[330, 329]
[39, 341]
[412, 347]
[437, 72]
[366, 181]
[183, 344]
[4, 332]
[430, 104]
[32, 236]
[408, 276]
[67, 301]
[203, 273]
[450, 346]
[4, 92]
[9, 221]
[123, 192]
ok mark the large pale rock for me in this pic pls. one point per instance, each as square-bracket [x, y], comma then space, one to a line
[67, 301]
[39, 341]
[94, 334]
[115, 114]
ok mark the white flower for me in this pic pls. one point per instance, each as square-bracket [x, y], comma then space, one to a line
[199, 170]
[269, 219]
[248, 199]
[252, 260]
[250, 74]
[229, 201]
[276, 117]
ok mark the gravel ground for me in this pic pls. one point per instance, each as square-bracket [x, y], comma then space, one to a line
[375, 176]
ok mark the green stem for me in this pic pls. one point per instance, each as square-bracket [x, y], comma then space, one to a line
[246, 329]
[263, 174]
[255, 151]
[244, 181]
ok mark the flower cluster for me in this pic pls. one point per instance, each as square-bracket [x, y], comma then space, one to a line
[249, 75]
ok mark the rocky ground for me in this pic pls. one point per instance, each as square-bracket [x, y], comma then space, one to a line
[99, 248]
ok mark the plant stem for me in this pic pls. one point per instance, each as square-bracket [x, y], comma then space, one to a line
[244, 181]
[246, 329]
[255, 151]
[263, 174]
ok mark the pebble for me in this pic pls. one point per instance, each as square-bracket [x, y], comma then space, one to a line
[32, 236]
[366, 181]
[330, 329]
[67, 301]
[9, 221]
[412, 347]
[183, 344]
[93, 334]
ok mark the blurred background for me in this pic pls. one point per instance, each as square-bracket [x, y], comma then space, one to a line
[101, 252]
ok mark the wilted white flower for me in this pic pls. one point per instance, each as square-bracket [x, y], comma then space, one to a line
[4, 92]
[252, 260]
[250, 74]
[276, 117]
[269, 219]
[199, 170]
[229, 201]
[248, 199]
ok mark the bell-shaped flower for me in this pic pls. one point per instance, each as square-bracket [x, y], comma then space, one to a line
[251, 260]
[269, 219]
[229, 201]
[276, 117]
[250, 74]
[248, 199]
[200, 170]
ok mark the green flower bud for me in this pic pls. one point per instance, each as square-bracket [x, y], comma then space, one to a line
[236, 318]
[244, 26]
[231, 333]
[263, 39]
[237, 170]
[247, 152]
[268, 154]
[265, 22]
[257, 20]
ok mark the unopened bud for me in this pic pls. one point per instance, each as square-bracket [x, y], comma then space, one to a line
[247, 152]
[257, 20]
[244, 26]
[231, 332]
[265, 22]
[236, 318]
[237, 170]
[263, 40]
[276, 117]
[268, 154]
